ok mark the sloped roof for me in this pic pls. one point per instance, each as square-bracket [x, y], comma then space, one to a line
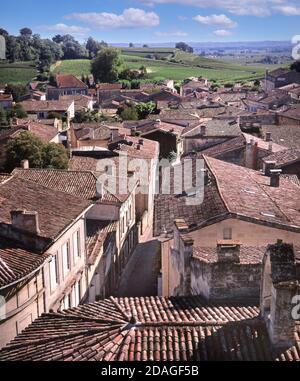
[148, 329]
[17, 262]
[285, 157]
[69, 80]
[56, 210]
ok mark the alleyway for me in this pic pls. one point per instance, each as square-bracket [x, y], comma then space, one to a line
[140, 275]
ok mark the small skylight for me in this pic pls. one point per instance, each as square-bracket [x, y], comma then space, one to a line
[267, 214]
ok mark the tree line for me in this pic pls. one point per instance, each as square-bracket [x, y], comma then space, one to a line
[28, 46]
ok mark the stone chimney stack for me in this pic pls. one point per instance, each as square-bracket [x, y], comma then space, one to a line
[275, 178]
[268, 165]
[25, 221]
[279, 286]
[251, 154]
[25, 164]
[268, 137]
[203, 130]
[183, 245]
[229, 251]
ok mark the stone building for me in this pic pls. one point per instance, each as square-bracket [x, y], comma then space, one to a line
[66, 84]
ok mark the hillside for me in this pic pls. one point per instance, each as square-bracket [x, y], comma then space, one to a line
[18, 73]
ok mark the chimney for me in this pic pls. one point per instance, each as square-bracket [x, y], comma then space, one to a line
[203, 130]
[268, 165]
[275, 178]
[141, 142]
[279, 286]
[228, 251]
[26, 221]
[99, 190]
[133, 131]
[251, 154]
[158, 121]
[25, 164]
[268, 137]
[138, 147]
[270, 147]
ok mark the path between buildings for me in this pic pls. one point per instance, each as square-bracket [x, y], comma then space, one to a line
[140, 275]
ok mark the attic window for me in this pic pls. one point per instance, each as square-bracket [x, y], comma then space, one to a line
[266, 214]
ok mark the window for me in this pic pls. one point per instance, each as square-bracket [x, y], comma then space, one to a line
[227, 233]
[66, 258]
[77, 293]
[53, 273]
[76, 246]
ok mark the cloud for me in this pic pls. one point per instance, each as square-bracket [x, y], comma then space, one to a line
[171, 34]
[222, 20]
[130, 18]
[222, 33]
[65, 29]
[288, 10]
[259, 8]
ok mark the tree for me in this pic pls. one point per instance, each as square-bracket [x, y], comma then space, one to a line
[296, 66]
[131, 45]
[94, 46]
[184, 47]
[145, 109]
[105, 66]
[26, 32]
[58, 38]
[25, 146]
[39, 154]
[129, 113]
[3, 32]
[16, 112]
[145, 46]
[55, 156]
[17, 91]
[3, 117]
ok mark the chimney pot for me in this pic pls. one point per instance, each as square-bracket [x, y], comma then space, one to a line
[268, 136]
[275, 177]
[25, 164]
[268, 166]
[203, 130]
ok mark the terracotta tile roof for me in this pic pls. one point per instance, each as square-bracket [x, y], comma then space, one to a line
[17, 262]
[109, 86]
[44, 132]
[69, 80]
[80, 184]
[91, 131]
[279, 72]
[148, 329]
[36, 106]
[293, 178]
[248, 194]
[98, 233]
[228, 146]
[4, 177]
[292, 112]
[169, 207]
[248, 254]
[287, 135]
[149, 126]
[262, 144]
[81, 101]
[149, 149]
[284, 158]
[56, 210]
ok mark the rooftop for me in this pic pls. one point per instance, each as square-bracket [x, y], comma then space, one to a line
[148, 329]
[285, 157]
[56, 210]
[69, 80]
[36, 106]
[16, 262]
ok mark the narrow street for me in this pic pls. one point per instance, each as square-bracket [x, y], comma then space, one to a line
[140, 275]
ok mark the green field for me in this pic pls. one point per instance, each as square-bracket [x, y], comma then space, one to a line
[187, 66]
[18, 73]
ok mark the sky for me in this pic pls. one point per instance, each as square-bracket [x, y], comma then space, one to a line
[156, 21]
